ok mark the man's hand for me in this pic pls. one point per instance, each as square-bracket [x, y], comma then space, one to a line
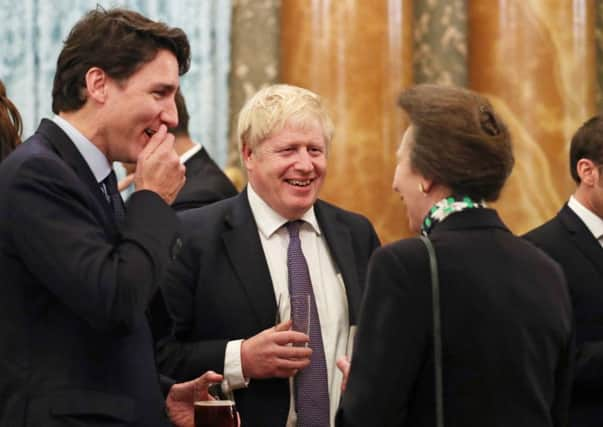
[344, 365]
[179, 401]
[268, 354]
[158, 168]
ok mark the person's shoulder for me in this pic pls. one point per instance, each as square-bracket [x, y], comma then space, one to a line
[546, 234]
[347, 216]
[210, 214]
[408, 250]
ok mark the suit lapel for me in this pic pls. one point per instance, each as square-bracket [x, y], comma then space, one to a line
[247, 257]
[582, 237]
[339, 242]
[65, 148]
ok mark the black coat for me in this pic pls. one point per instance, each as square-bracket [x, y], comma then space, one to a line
[205, 183]
[506, 327]
[76, 347]
[220, 290]
[567, 240]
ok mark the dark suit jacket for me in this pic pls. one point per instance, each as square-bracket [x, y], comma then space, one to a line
[506, 328]
[205, 183]
[567, 240]
[220, 290]
[76, 347]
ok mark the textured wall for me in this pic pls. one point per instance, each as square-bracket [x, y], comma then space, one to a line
[535, 59]
[440, 33]
[358, 56]
[31, 37]
[255, 56]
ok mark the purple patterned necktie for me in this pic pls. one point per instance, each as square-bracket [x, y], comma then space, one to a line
[114, 198]
[311, 383]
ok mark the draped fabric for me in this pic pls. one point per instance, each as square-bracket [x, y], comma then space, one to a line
[31, 37]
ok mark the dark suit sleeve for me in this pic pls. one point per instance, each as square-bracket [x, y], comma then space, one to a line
[390, 345]
[68, 249]
[181, 355]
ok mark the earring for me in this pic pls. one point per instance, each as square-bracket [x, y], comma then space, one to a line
[422, 189]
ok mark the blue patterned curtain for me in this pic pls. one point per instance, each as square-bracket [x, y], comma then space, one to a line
[31, 35]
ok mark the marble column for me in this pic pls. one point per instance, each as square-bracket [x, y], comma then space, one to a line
[599, 44]
[254, 63]
[535, 60]
[440, 34]
[358, 56]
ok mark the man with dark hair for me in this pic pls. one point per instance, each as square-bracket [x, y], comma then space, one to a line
[574, 238]
[78, 268]
[205, 181]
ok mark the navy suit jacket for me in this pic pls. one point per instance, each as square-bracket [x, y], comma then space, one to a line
[506, 332]
[567, 240]
[220, 290]
[76, 347]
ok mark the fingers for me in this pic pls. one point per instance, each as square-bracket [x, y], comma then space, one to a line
[284, 326]
[210, 377]
[293, 337]
[154, 142]
[125, 183]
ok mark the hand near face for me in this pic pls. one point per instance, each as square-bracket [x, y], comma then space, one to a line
[268, 354]
[158, 168]
[180, 399]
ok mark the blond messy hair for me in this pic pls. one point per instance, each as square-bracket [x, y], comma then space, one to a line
[274, 107]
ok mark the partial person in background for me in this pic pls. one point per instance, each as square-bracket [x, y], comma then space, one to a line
[205, 181]
[574, 239]
[506, 318]
[79, 268]
[243, 257]
[11, 125]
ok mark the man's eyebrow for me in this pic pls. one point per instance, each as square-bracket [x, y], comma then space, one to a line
[166, 87]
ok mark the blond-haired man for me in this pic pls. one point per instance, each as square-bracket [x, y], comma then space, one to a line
[239, 266]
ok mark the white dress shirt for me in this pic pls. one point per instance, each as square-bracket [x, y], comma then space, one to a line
[327, 284]
[592, 221]
[94, 157]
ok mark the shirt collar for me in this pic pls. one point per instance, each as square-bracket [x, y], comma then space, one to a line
[190, 153]
[94, 158]
[592, 221]
[269, 221]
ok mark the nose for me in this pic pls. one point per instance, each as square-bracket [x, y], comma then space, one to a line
[169, 115]
[304, 161]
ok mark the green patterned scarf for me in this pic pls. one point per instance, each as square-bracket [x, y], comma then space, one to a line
[442, 209]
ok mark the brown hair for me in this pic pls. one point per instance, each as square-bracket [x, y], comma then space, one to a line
[118, 41]
[459, 141]
[587, 143]
[182, 128]
[11, 125]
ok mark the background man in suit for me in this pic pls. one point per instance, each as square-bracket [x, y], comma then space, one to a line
[79, 270]
[205, 184]
[205, 181]
[574, 238]
[233, 280]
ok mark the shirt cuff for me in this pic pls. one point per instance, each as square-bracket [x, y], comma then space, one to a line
[233, 370]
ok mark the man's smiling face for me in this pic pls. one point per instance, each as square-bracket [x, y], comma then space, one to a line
[288, 168]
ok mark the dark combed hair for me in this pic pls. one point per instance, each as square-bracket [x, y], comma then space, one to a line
[182, 128]
[459, 141]
[587, 143]
[119, 41]
[11, 125]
